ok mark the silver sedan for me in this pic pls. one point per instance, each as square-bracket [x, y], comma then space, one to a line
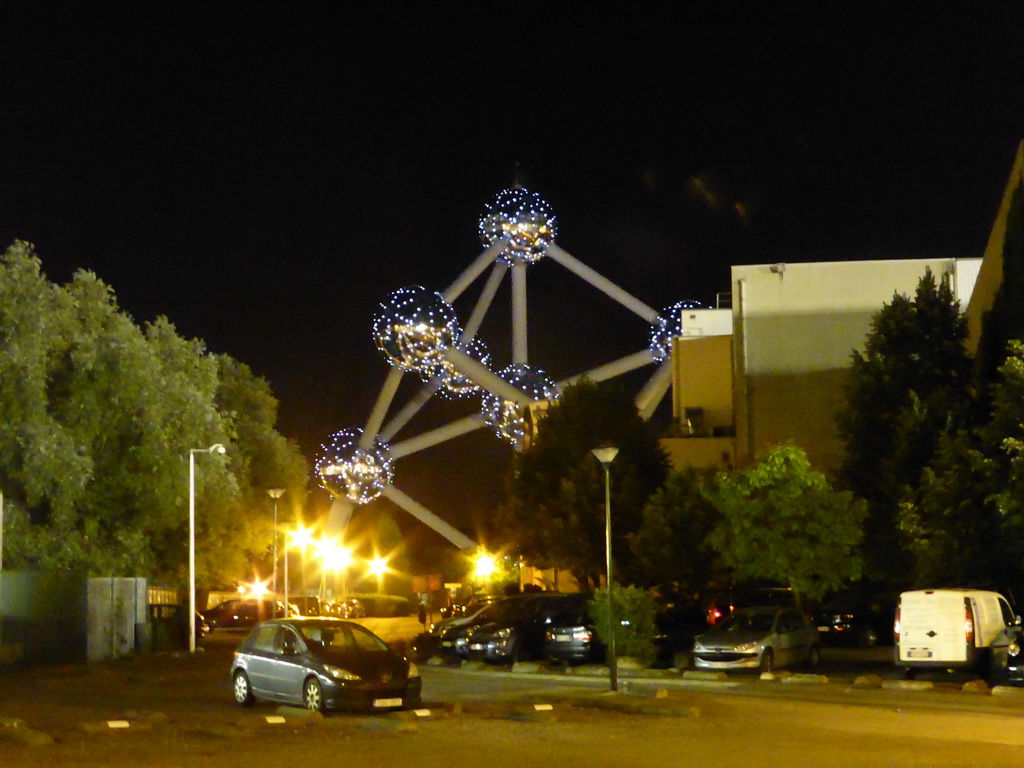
[764, 639]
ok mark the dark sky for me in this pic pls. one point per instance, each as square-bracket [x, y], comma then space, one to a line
[265, 173]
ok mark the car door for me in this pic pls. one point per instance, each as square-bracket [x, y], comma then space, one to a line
[791, 645]
[291, 665]
[260, 659]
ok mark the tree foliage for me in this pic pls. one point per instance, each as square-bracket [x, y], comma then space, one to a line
[907, 389]
[97, 418]
[555, 505]
[671, 547]
[782, 521]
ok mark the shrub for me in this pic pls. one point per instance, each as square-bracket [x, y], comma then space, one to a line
[634, 621]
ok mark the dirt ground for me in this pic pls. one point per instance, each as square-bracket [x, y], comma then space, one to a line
[179, 712]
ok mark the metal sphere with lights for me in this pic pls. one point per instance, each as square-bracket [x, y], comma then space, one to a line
[524, 220]
[348, 471]
[413, 329]
[458, 385]
[669, 324]
[504, 416]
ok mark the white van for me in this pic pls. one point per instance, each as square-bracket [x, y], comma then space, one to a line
[948, 628]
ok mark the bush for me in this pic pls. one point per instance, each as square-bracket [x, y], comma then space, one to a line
[634, 621]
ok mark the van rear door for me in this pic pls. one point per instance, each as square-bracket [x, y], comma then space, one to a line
[932, 627]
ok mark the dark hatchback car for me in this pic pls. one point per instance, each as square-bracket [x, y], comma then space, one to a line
[572, 639]
[861, 620]
[320, 664]
[520, 633]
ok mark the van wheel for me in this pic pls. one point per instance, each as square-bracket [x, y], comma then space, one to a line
[767, 661]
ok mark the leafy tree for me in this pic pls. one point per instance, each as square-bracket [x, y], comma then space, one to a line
[908, 388]
[782, 521]
[97, 417]
[671, 546]
[555, 506]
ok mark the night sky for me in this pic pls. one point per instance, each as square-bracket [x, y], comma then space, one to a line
[264, 174]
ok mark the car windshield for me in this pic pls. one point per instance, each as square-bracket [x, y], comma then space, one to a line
[340, 637]
[748, 622]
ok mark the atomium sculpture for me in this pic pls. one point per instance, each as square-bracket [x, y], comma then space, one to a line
[506, 417]
[671, 324]
[347, 470]
[417, 331]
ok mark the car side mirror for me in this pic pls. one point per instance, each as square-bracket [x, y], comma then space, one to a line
[1017, 620]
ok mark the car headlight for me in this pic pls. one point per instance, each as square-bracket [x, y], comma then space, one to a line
[1013, 648]
[747, 647]
[413, 670]
[340, 674]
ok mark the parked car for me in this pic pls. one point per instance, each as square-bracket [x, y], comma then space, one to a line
[349, 608]
[240, 613]
[519, 634]
[677, 628]
[1008, 656]
[571, 637]
[322, 663]
[949, 629]
[862, 620]
[725, 602]
[764, 638]
[452, 635]
[471, 605]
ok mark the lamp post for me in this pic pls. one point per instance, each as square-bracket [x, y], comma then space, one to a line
[215, 448]
[275, 494]
[606, 456]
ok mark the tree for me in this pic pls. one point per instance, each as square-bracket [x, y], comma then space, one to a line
[671, 546]
[908, 388]
[555, 510]
[97, 417]
[782, 521]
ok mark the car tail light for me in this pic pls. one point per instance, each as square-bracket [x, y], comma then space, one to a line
[968, 624]
[896, 626]
[583, 635]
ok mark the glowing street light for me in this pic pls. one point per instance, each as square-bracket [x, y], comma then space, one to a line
[275, 494]
[215, 448]
[606, 456]
[378, 567]
[300, 539]
[484, 566]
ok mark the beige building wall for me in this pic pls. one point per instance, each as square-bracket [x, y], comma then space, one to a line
[796, 327]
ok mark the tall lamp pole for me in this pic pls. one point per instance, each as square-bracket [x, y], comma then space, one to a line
[606, 456]
[275, 494]
[215, 448]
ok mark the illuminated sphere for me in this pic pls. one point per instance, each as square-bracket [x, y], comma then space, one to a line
[413, 329]
[669, 324]
[504, 416]
[455, 384]
[524, 220]
[348, 471]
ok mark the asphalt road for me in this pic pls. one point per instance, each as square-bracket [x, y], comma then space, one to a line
[179, 712]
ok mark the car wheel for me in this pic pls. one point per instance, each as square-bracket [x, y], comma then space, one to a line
[814, 656]
[767, 661]
[313, 695]
[243, 690]
[868, 638]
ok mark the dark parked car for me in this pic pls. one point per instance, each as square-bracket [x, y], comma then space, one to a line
[571, 638]
[763, 638]
[677, 626]
[241, 613]
[322, 663]
[857, 619]
[519, 634]
[450, 637]
[1007, 663]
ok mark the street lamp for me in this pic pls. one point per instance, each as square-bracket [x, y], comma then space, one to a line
[301, 538]
[215, 448]
[275, 494]
[378, 567]
[606, 455]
